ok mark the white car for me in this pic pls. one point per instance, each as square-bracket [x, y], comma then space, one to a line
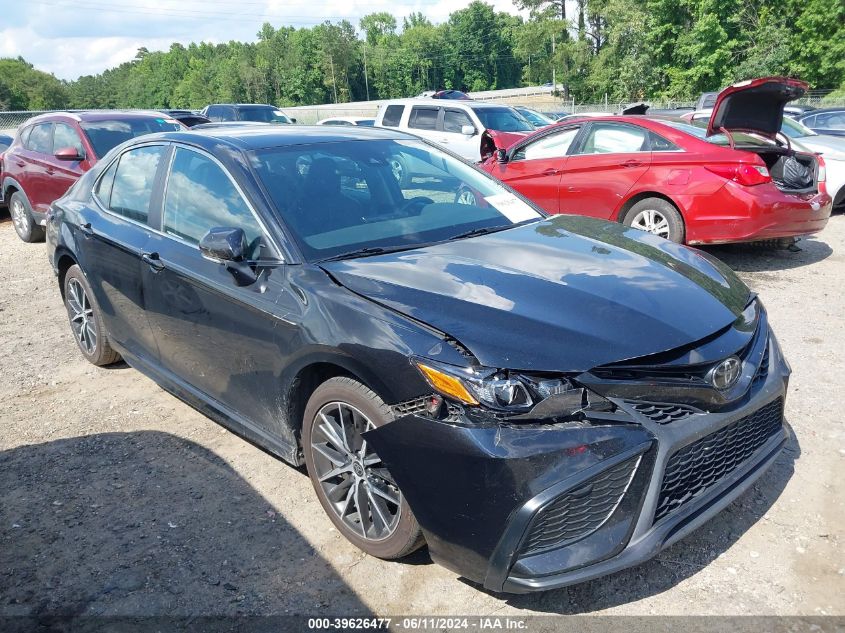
[832, 149]
[348, 120]
[453, 124]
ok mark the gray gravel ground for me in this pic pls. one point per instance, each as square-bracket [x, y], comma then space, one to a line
[116, 498]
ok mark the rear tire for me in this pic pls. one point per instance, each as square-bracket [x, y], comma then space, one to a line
[86, 319]
[25, 225]
[347, 475]
[658, 216]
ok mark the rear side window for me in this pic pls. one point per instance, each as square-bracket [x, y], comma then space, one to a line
[103, 187]
[392, 115]
[65, 136]
[423, 118]
[133, 182]
[214, 113]
[24, 135]
[200, 196]
[660, 144]
[454, 120]
[41, 139]
[612, 138]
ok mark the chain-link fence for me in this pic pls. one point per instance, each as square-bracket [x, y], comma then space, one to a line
[544, 101]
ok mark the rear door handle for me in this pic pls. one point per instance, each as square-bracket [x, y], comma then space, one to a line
[153, 261]
[85, 229]
[551, 172]
[632, 163]
[51, 171]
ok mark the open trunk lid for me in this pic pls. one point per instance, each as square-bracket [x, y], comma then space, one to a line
[755, 106]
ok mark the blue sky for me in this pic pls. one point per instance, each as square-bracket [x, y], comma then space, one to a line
[70, 38]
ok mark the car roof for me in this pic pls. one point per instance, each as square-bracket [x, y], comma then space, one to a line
[258, 137]
[98, 115]
[443, 103]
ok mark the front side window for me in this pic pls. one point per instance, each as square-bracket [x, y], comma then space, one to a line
[41, 139]
[831, 120]
[423, 118]
[262, 115]
[65, 136]
[455, 120]
[107, 134]
[132, 189]
[612, 138]
[392, 115]
[552, 146]
[201, 196]
[339, 197]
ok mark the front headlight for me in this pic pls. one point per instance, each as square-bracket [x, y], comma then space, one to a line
[511, 392]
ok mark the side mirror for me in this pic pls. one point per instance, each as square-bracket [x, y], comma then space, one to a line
[224, 244]
[68, 154]
[468, 130]
[501, 155]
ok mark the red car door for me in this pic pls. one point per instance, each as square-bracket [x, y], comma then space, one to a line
[64, 173]
[535, 168]
[32, 165]
[612, 157]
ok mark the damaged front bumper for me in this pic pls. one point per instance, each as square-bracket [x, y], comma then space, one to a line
[527, 507]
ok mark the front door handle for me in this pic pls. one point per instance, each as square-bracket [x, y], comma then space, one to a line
[632, 163]
[551, 171]
[153, 261]
[50, 171]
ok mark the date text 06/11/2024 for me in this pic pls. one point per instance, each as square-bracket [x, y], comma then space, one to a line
[418, 623]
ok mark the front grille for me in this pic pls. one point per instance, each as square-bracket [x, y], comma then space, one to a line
[579, 512]
[695, 468]
[662, 412]
[410, 407]
[762, 370]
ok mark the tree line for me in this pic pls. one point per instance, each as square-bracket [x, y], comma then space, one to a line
[625, 49]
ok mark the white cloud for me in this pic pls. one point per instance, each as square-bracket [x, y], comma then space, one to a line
[70, 38]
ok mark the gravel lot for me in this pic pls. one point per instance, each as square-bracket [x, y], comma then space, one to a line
[118, 499]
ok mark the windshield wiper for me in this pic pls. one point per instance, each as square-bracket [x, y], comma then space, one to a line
[369, 250]
[484, 230]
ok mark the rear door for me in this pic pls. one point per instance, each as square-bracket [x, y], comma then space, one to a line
[112, 240]
[609, 159]
[535, 168]
[422, 121]
[34, 166]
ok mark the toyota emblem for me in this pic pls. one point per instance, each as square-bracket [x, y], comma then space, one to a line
[725, 374]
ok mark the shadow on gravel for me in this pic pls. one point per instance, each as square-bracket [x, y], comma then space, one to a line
[759, 258]
[146, 523]
[680, 561]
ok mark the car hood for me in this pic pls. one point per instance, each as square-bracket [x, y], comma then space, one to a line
[754, 106]
[566, 294]
[824, 143]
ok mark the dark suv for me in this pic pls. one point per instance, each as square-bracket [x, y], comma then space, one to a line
[259, 112]
[51, 151]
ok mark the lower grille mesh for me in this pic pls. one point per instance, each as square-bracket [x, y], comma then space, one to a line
[697, 467]
[579, 512]
[662, 413]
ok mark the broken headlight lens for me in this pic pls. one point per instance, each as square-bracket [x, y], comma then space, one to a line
[510, 392]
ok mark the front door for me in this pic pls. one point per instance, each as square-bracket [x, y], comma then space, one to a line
[214, 334]
[535, 168]
[603, 169]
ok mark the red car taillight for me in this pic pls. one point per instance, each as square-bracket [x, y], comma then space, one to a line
[742, 173]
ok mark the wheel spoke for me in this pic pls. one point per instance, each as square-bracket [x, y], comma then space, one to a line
[364, 521]
[330, 454]
[385, 494]
[378, 511]
[337, 471]
[333, 433]
[337, 492]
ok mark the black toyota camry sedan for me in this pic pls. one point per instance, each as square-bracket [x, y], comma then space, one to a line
[539, 400]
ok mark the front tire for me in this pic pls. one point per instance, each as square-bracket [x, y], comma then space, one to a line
[25, 225]
[658, 216]
[353, 485]
[86, 319]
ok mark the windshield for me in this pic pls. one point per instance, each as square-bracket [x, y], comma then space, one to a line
[107, 134]
[537, 119]
[503, 120]
[793, 129]
[740, 138]
[262, 114]
[340, 197]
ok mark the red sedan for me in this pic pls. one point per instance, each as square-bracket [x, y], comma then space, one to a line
[678, 181]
